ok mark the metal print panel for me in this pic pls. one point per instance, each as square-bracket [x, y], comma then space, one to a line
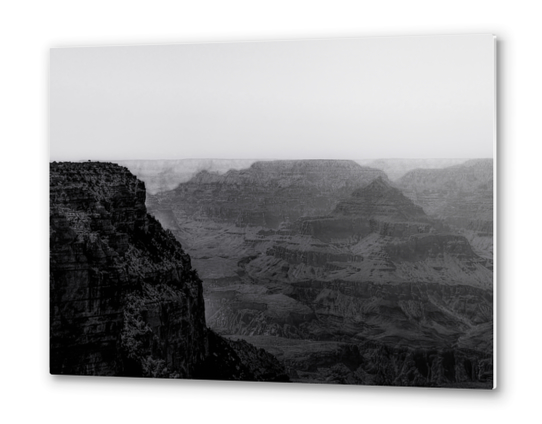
[311, 211]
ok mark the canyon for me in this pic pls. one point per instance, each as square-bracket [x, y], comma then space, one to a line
[342, 274]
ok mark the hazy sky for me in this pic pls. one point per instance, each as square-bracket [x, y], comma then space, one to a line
[381, 97]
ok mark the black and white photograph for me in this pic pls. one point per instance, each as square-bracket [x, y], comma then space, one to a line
[313, 211]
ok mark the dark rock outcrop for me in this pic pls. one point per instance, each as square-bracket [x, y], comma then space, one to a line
[124, 298]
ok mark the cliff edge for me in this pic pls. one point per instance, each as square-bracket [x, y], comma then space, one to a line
[124, 298]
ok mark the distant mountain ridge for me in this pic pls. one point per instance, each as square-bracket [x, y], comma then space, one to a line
[268, 193]
[473, 175]
[396, 168]
[284, 173]
[164, 175]
[460, 196]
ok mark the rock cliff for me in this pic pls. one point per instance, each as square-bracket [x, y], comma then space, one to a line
[124, 298]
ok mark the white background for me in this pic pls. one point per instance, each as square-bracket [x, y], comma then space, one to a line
[29, 29]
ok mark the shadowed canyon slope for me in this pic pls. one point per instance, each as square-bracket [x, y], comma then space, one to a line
[330, 267]
[124, 298]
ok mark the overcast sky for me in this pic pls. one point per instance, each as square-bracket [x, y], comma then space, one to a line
[381, 97]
